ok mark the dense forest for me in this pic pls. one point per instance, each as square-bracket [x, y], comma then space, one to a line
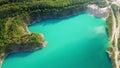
[15, 16]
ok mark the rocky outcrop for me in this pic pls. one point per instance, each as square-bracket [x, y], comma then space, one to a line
[97, 11]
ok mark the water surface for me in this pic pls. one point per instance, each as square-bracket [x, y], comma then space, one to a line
[75, 42]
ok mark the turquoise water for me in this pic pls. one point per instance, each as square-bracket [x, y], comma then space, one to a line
[75, 42]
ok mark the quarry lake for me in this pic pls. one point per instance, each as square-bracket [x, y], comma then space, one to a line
[76, 42]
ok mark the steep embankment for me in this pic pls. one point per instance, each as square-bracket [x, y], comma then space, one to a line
[114, 38]
[114, 52]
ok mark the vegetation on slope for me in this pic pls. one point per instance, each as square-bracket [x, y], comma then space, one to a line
[15, 15]
[100, 3]
[115, 9]
[109, 24]
[14, 31]
[109, 30]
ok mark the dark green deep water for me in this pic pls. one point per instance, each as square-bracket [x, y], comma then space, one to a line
[75, 42]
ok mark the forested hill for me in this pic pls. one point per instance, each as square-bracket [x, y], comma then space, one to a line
[16, 15]
[14, 7]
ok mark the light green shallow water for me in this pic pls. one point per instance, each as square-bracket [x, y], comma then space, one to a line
[76, 42]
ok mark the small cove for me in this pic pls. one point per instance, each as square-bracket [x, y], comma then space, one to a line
[75, 42]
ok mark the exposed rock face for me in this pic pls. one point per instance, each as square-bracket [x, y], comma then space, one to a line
[97, 11]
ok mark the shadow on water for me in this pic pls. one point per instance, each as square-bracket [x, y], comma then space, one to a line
[108, 57]
[21, 54]
[48, 22]
[55, 20]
